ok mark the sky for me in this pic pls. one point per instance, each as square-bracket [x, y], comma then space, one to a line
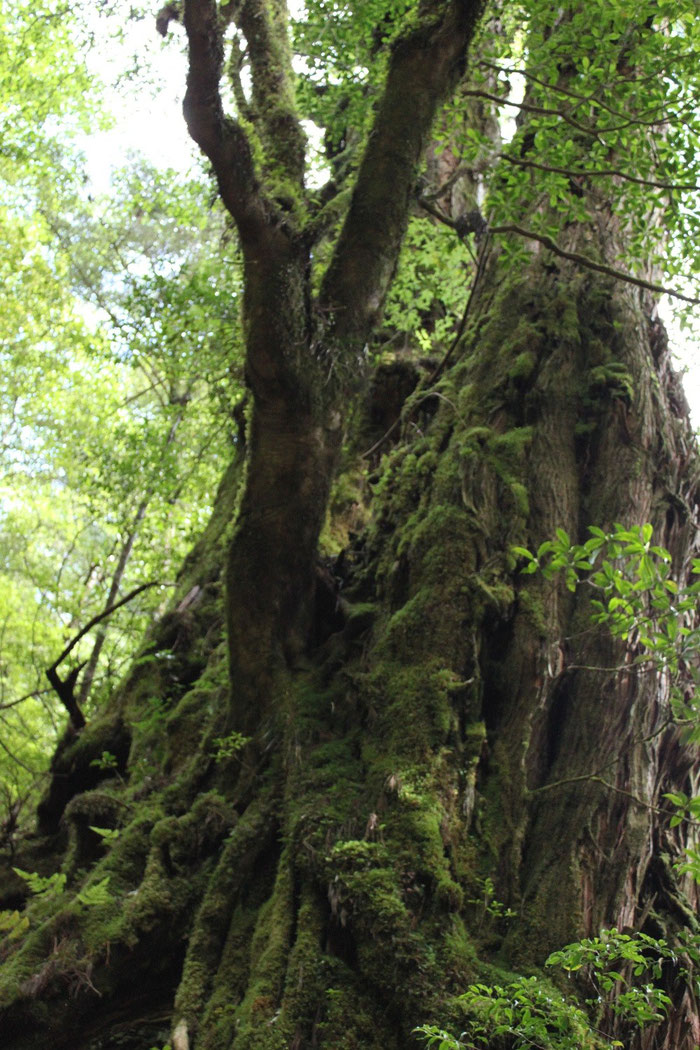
[147, 108]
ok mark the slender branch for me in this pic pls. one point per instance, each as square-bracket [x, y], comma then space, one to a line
[593, 132]
[115, 584]
[583, 260]
[101, 616]
[19, 761]
[591, 264]
[529, 107]
[596, 778]
[558, 89]
[220, 137]
[65, 691]
[35, 693]
[591, 173]
[446, 186]
[65, 687]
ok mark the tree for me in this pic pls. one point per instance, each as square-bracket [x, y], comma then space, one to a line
[332, 795]
[115, 422]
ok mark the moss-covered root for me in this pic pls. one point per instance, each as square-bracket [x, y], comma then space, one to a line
[250, 843]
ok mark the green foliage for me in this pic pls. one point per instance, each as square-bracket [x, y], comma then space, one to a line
[429, 291]
[118, 341]
[226, 747]
[523, 1014]
[108, 835]
[528, 1012]
[615, 962]
[635, 594]
[95, 895]
[594, 136]
[107, 761]
[46, 95]
[489, 905]
[43, 886]
[13, 924]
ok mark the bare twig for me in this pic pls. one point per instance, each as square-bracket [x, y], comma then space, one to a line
[592, 173]
[591, 264]
[65, 687]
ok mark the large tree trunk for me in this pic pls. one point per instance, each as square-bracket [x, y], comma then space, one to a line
[320, 887]
[303, 854]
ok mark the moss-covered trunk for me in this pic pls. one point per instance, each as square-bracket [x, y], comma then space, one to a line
[453, 723]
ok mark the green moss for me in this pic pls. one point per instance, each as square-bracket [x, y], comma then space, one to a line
[269, 951]
[510, 445]
[189, 721]
[522, 499]
[348, 510]
[532, 603]
[611, 380]
[459, 952]
[195, 834]
[352, 1019]
[523, 366]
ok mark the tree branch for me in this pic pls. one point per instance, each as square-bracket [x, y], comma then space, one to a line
[425, 64]
[592, 173]
[101, 616]
[591, 264]
[558, 89]
[586, 129]
[219, 137]
[264, 26]
[5, 706]
[529, 107]
[548, 242]
[65, 687]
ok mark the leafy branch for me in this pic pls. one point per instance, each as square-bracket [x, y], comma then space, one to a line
[591, 173]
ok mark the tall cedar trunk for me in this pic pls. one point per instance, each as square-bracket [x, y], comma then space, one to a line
[439, 722]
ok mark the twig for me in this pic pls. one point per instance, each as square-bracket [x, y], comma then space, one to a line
[27, 696]
[65, 687]
[591, 264]
[591, 173]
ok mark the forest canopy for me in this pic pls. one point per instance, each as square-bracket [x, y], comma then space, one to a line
[349, 516]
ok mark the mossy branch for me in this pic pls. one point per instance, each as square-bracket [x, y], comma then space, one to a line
[426, 62]
[220, 138]
[264, 26]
